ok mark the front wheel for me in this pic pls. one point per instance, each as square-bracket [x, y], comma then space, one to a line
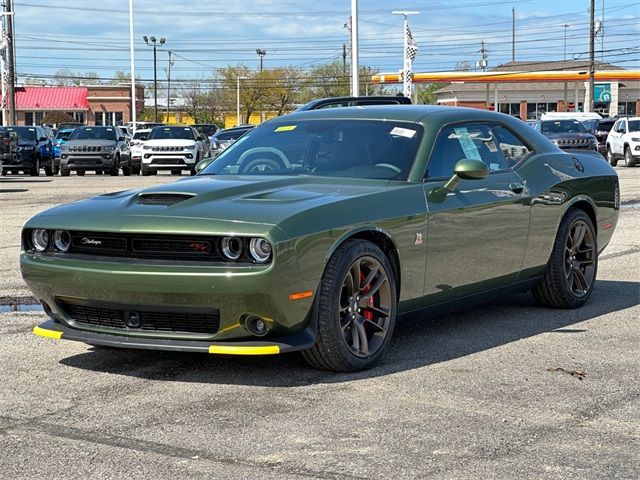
[35, 169]
[355, 309]
[115, 169]
[571, 271]
[610, 158]
[628, 159]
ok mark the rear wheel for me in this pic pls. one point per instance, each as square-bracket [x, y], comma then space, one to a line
[610, 158]
[56, 169]
[354, 309]
[126, 170]
[80, 173]
[572, 268]
[64, 172]
[628, 159]
[48, 169]
[145, 172]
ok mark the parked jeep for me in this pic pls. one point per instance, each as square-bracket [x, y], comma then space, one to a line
[102, 149]
[8, 149]
[34, 151]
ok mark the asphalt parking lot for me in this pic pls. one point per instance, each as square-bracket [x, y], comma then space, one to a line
[506, 390]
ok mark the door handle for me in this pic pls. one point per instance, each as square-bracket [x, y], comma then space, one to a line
[516, 187]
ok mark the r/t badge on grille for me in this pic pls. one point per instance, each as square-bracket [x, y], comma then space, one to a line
[418, 238]
[132, 319]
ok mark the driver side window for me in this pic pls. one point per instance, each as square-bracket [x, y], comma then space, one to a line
[493, 145]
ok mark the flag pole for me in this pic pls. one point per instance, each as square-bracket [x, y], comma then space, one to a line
[407, 73]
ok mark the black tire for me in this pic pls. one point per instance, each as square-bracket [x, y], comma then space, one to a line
[333, 349]
[145, 172]
[115, 169]
[628, 159]
[56, 170]
[611, 158]
[64, 172]
[34, 171]
[48, 170]
[80, 173]
[135, 170]
[126, 170]
[561, 285]
[176, 171]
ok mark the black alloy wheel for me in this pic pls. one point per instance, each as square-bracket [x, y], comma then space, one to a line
[354, 309]
[571, 271]
[35, 168]
[611, 158]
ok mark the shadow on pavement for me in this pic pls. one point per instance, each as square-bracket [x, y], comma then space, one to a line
[416, 343]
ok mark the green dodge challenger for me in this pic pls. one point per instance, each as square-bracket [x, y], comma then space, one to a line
[314, 231]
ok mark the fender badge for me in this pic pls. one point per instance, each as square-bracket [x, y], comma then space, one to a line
[418, 239]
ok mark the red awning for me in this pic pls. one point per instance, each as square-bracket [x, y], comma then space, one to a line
[67, 99]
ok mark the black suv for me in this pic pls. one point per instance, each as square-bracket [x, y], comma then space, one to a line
[567, 134]
[103, 149]
[34, 151]
[337, 102]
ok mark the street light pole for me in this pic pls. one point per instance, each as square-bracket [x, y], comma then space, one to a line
[564, 98]
[261, 53]
[133, 69]
[238, 78]
[155, 73]
[169, 84]
[592, 65]
[355, 58]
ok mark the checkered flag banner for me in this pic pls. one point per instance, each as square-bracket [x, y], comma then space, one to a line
[412, 46]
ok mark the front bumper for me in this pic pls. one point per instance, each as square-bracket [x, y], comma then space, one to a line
[172, 160]
[58, 331]
[102, 161]
[238, 293]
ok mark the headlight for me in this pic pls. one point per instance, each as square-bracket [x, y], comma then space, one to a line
[146, 147]
[231, 248]
[40, 240]
[260, 249]
[108, 148]
[635, 139]
[64, 147]
[61, 240]
[192, 147]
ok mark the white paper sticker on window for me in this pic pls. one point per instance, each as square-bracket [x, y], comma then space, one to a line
[403, 132]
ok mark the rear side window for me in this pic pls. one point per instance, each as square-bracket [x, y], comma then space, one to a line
[494, 145]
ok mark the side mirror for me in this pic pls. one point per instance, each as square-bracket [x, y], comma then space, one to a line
[202, 164]
[42, 139]
[202, 137]
[466, 169]
[121, 139]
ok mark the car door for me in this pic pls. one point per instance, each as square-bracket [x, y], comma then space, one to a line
[616, 143]
[477, 232]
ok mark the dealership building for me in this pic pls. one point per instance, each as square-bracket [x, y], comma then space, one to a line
[529, 89]
[91, 105]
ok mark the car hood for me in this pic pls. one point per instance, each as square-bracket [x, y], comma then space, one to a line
[26, 143]
[169, 141]
[90, 143]
[207, 204]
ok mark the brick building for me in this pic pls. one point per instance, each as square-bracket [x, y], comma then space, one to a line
[91, 105]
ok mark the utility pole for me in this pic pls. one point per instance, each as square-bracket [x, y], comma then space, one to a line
[169, 83]
[602, 35]
[592, 35]
[133, 69]
[513, 34]
[564, 98]
[482, 64]
[355, 60]
[344, 53]
[11, 63]
[344, 61]
[151, 42]
[261, 53]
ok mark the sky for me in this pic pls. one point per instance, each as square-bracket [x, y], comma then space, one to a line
[85, 35]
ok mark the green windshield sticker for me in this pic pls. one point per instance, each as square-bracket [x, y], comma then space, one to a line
[470, 150]
[285, 128]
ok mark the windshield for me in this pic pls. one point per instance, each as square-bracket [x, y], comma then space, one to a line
[141, 135]
[562, 126]
[23, 133]
[232, 135]
[171, 133]
[64, 135]
[336, 148]
[94, 133]
[605, 126]
[634, 125]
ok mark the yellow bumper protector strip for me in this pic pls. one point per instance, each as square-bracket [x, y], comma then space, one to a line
[239, 350]
[43, 332]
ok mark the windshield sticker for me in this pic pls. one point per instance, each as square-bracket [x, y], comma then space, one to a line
[285, 128]
[403, 132]
[469, 148]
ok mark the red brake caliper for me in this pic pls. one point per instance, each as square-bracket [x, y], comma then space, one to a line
[368, 314]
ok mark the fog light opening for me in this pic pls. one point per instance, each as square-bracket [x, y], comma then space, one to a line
[257, 326]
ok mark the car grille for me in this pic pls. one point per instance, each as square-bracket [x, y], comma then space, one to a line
[86, 149]
[145, 246]
[167, 149]
[167, 161]
[201, 321]
[575, 143]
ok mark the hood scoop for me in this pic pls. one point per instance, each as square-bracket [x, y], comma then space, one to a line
[163, 198]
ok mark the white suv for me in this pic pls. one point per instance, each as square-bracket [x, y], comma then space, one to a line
[174, 148]
[624, 141]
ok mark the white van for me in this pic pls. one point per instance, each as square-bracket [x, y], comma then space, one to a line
[580, 116]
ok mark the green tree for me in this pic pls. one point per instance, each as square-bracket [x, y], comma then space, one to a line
[427, 93]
